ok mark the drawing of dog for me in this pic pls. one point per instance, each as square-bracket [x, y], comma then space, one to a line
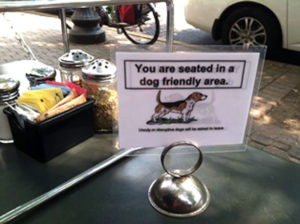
[183, 107]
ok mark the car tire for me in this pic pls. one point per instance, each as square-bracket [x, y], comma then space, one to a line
[263, 22]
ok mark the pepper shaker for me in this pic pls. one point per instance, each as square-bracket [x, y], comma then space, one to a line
[99, 79]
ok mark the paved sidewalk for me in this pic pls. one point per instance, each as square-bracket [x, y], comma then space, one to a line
[276, 126]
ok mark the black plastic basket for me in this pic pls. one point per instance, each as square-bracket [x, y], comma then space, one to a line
[45, 140]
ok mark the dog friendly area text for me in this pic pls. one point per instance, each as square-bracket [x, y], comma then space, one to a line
[186, 75]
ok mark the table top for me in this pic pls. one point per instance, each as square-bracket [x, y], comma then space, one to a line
[245, 187]
[56, 4]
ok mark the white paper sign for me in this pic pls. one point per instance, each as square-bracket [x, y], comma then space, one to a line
[166, 97]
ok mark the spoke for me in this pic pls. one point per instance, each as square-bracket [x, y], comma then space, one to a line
[241, 42]
[256, 43]
[259, 29]
[250, 24]
[237, 28]
[260, 34]
[246, 23]
[247, 45]
[235, 31]
[236, 39]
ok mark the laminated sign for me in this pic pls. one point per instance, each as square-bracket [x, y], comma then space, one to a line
[166, 97]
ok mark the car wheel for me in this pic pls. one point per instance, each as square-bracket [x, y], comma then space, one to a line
[251, 26]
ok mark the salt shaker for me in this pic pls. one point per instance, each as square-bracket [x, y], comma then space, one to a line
[40, 74]
[71, 63]
[9, 92]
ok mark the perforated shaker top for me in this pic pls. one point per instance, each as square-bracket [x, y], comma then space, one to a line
[75, 58]
[99, 70]
[8, 88]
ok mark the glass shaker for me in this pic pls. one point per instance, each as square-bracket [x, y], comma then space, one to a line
[9, 92]
[71, 63]
[99, 79]
[40, 74]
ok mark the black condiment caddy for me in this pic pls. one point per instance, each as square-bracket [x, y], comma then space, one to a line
[47, 139]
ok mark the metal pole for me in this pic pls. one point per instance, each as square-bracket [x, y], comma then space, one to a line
[22, 209]
[64, 31]
[170, 25]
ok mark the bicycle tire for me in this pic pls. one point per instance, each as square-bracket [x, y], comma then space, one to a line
[135, 38]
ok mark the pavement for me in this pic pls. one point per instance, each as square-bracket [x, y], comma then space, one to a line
[276, 114]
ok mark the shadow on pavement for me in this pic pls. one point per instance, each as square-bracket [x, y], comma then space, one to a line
[286, 56]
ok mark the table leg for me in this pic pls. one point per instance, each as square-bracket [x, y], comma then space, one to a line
[65, 38]
[170, 25]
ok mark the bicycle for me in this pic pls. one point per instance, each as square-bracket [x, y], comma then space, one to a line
[145, 30]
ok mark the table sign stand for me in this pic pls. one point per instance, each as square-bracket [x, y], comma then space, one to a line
[177, 193]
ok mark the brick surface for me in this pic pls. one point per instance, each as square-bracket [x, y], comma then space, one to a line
[281, 87]
[274, 150]
[261, 139]
[281, 145]
[44, 38]
[295, 153]
[256, 145]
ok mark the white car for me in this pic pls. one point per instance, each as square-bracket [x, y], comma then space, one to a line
[248, 22]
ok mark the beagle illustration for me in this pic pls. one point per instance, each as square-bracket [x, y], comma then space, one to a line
[183, 107]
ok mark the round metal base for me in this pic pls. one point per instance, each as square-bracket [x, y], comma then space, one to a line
[199, 210]
[87, 35]
[6, 141]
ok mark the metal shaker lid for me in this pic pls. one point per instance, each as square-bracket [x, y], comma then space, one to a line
[8, 84]
[99, 70]
[41, 72]
[8, 88]
[75, 58]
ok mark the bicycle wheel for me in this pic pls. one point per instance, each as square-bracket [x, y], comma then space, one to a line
[146, 31]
